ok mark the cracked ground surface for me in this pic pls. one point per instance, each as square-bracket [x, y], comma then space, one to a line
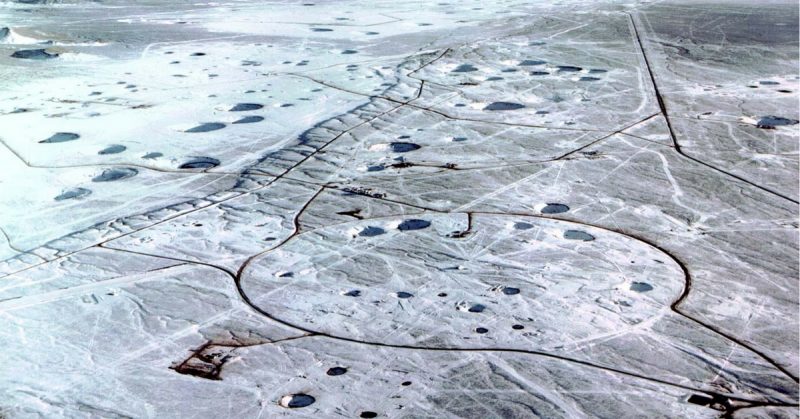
[399, 209]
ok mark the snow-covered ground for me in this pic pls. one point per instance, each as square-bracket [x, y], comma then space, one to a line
[399, 209]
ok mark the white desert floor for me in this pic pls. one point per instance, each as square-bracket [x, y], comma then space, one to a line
[255, 209]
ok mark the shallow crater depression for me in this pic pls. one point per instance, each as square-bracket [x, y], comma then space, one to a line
[563, 290]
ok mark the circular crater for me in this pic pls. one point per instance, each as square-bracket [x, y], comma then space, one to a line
[73, 193]
[60, 137]
[501, 278]
[294, 401]
[334, 371]
[200, 163]
[115, 174]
